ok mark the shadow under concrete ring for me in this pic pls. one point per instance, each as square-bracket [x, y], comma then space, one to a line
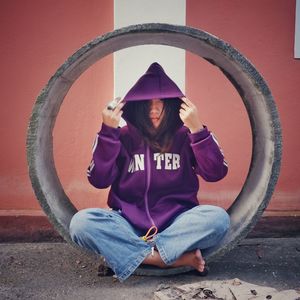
[257, 98]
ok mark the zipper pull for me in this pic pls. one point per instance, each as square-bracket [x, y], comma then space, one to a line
[148, 234]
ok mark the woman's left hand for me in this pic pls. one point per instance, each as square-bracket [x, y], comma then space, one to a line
[189, 115]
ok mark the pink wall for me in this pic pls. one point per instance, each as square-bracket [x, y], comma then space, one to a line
[37, 36]
[264, 32]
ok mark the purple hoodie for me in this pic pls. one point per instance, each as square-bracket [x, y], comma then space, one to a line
[153, 188]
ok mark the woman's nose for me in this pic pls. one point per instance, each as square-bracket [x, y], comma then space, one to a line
[155, 105]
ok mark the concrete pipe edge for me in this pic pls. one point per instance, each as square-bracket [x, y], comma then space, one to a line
[264, 168]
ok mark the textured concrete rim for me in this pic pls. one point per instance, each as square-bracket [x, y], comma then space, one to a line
[265, 125]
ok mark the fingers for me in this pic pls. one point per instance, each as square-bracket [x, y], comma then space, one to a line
[188, 113]
[183, 115]
[116, 110]
[119, 107]
[184, 106]
[113, 103]
[187, 109]
[112, 117]
[183, 111]
[187, 102]
[116, 113]
[119, 114]
[187, 106]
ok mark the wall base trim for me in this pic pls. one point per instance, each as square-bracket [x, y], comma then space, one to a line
[38, 229]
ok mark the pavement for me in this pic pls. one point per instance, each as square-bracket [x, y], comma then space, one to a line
[59, 271]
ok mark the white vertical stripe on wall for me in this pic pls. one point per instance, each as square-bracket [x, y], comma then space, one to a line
[131, 63]
[297, 31]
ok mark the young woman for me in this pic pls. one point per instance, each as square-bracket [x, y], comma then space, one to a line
[152, 166]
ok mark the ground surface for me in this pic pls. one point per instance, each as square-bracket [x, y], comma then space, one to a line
[58, 271]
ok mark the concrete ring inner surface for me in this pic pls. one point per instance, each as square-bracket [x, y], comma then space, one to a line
[264, 168]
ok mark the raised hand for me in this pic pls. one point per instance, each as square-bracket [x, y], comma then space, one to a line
[189, 115]
[112, 117]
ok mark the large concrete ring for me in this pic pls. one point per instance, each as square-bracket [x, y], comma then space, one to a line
[266, 131]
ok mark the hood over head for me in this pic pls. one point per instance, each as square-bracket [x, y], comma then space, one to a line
[154, 84]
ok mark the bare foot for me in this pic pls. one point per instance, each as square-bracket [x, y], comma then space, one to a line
[193, 259]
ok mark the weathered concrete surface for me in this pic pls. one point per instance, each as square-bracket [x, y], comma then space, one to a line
[58, 271]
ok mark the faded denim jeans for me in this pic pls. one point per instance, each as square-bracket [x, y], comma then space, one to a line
[107, 233]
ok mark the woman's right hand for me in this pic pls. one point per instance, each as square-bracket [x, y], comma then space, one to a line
[112, 117]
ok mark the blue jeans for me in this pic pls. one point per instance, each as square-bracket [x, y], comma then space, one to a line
[107, 233]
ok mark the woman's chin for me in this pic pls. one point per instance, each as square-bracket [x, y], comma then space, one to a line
[156, 124]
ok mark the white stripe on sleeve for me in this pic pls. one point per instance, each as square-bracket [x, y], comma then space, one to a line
[90, 167]
[95, 143]
[216, 141]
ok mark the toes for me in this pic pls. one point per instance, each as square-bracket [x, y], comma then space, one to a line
[200, 257]
[198, 254]
[200, 268]
[201, 264]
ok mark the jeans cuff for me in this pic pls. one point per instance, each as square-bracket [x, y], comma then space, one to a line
[131, 267]
[162, 252]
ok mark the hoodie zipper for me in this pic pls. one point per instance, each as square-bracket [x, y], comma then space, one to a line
[148, 177]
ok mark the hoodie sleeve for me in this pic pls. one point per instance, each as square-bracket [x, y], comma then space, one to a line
[103, 169]
[209, 159]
